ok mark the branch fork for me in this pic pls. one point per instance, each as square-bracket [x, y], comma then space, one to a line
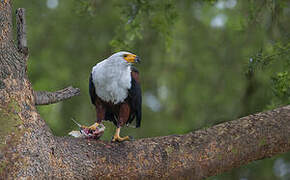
[41, 97]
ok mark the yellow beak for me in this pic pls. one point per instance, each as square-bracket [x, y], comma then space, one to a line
[132, 58]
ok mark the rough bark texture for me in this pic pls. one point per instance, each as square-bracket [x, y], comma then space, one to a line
[45, 98]
[195, 155]
[5, 23]
[21, 31]
[28, 148]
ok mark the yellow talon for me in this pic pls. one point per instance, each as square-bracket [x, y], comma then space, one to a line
[118, 138]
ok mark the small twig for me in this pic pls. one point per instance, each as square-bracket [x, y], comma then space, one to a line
[277, 54]
[45, 98]
[21, 31]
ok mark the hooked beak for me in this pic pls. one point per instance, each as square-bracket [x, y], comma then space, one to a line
[137, 59]
[131, 58]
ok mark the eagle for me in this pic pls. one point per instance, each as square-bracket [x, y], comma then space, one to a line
[115, 91]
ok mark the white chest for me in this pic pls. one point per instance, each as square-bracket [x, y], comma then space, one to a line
[112, 82]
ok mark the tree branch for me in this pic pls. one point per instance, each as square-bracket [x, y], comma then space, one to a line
[45, 98]
[41, 97]
[5, 23]
[196, 155]
[21, 31]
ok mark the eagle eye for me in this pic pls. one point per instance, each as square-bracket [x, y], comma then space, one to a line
[125, 55]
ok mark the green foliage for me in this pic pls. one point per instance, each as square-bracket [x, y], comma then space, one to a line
[281, 89]
[274, 52]
[281, 85]
[274, 59]
[280, 80]
[87, 7]
[137, 17]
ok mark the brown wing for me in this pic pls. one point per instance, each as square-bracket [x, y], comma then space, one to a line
[131, 108]
[135, 98]
[96, 101]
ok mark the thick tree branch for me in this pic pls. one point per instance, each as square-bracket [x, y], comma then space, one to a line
[5, 23]
[45, 98]
[196, 155]
[21, 31]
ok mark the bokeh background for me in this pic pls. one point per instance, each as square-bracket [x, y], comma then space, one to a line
[203, 62]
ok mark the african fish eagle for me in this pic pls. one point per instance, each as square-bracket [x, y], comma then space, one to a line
[115, 91]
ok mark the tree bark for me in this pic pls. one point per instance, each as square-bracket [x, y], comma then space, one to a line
[21, 31]
[45, 98]
[28, 148]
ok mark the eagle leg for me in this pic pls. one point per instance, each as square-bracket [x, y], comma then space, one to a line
[117, 137]
[100, 113]
[124, 114]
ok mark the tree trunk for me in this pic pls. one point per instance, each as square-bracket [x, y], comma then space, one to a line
[28, 148]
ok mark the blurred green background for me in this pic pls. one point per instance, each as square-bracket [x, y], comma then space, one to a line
[203, 62]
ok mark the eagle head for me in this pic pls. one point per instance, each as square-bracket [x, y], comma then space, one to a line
[126, 57]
